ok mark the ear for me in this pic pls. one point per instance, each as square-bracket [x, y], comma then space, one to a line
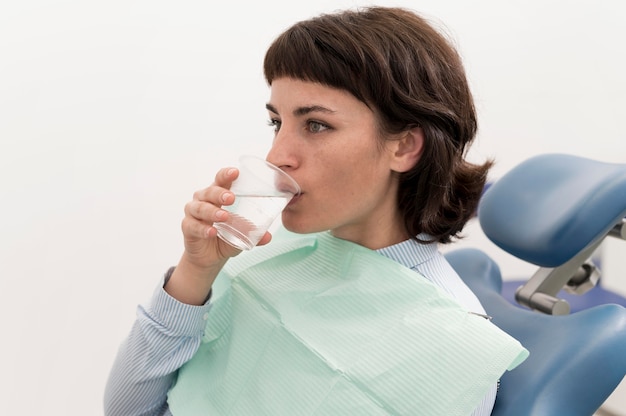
[407, 149]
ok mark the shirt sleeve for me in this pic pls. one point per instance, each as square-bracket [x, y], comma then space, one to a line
[165, 335]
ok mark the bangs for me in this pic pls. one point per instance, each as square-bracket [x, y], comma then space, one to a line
[323, 58]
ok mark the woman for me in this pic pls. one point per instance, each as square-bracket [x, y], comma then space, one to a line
[372, 116]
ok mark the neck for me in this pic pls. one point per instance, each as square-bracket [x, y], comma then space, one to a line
[374, 237]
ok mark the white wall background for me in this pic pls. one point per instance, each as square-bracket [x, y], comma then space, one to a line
[113, 112]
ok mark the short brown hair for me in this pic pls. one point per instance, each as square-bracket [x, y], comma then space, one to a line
[410, 75]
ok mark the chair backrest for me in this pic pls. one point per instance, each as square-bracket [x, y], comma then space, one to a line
[576, 360]
[553, 211]
[550, 207]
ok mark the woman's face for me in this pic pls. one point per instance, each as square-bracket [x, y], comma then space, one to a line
[328, 141]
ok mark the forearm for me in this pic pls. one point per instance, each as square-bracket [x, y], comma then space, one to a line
[133, 387]
[165, 335]
[191, 284]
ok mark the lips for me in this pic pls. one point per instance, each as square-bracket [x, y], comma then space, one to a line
[295, 199]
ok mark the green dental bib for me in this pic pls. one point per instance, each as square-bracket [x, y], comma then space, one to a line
[321, 326]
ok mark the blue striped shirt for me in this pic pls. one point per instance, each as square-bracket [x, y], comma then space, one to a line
[167, 333]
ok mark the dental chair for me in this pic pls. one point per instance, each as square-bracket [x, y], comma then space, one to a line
[553, 211]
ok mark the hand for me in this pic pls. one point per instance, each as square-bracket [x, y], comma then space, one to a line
[202, 246]
[205, 253]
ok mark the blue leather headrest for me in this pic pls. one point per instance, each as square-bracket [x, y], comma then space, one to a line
[550, 207]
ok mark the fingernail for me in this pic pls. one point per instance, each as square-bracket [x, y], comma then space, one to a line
[231, 171]
[225, 196]
[219, 215]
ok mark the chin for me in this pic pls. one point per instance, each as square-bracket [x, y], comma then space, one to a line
[296, 228]
[292, 223]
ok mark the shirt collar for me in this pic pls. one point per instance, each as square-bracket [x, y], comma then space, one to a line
[410, 253]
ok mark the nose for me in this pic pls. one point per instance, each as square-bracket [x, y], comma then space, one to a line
[282, 153]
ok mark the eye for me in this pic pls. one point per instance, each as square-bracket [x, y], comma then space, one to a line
[273, 122]
[317, 127]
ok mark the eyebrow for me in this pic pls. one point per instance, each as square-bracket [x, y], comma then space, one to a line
[301, 111]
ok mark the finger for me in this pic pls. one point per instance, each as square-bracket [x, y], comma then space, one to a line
[205, 212]
[267, 237]
[219, 192]
[194, 229]
[226, 176]
[215, 195]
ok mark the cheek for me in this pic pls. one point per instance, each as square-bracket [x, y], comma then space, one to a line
[347, 176]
